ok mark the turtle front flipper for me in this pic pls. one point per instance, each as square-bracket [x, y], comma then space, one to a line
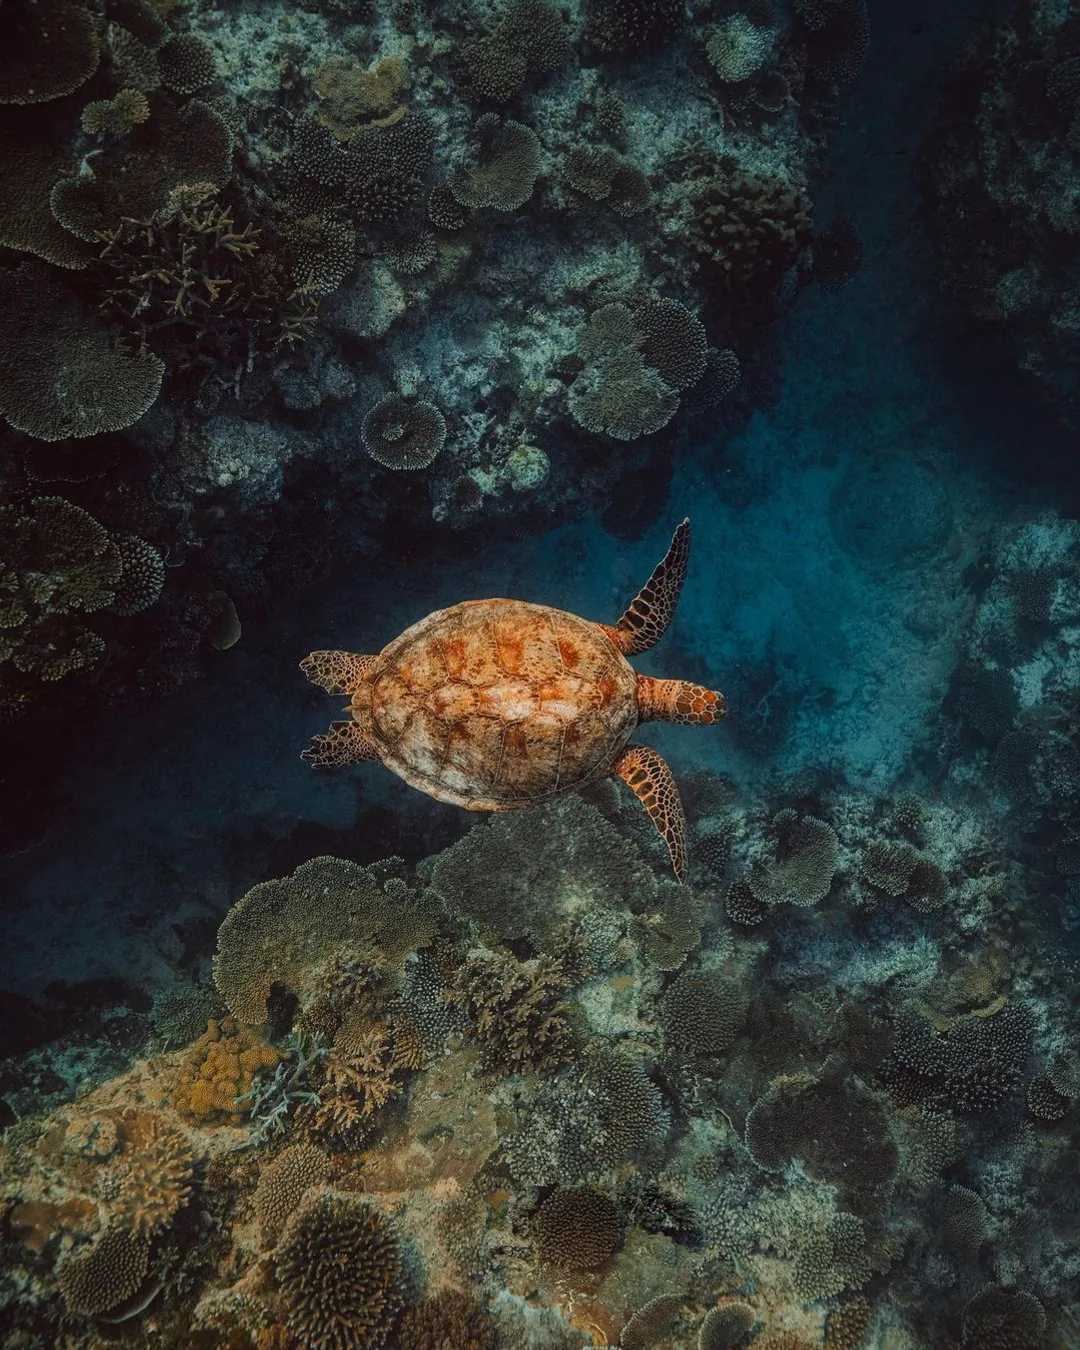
[336, 672]
[343, 744]
[644, 623]
[647, 775]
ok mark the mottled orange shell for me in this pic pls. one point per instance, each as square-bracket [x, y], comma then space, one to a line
[494, 704]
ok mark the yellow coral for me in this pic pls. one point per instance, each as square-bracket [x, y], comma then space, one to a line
[219, 1068]
[352, 95]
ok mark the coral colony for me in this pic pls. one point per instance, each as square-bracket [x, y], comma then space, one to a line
[318, 317]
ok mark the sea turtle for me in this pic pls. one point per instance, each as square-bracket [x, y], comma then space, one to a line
[499, 704]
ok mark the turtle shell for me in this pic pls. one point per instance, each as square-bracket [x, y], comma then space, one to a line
[494, 704]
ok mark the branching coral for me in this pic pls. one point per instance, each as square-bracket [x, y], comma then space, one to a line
[530, 40]
[974, 1066]
[283, 1183]
[836, 1261]
[702, 1012]
[669, 934]
[600, 174]
[632, 26]
[403, 433]
[726, 1326]
[801, 871]
[339, 1272]
[748, 230]
[518, 1009]
[504, 167]
[286, 932]
[186, 64]
[448, 1318]
[107, 1275]
[1003, 1319]
[737, 48]
[155, 1180]
[578, 1229]
[59, 376]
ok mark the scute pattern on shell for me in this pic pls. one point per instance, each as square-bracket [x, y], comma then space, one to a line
[495, 703]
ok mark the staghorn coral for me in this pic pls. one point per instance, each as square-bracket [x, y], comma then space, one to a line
[518, 1009]
[448, 1319]
[59, 376]
[737, 48]
[1044, 1101]
[44, 61]
[286, 932]
[702, 1012]
[403, 433]
[632, 26]
[504, 166]
[578, 1229]
[219, 1069]
[339, 1273]
[283, 1183]
[742, 906]
[726, 1326]
[107, 1275]
[155, 1180]
[804, 863]
[974, 1066]
[530, 40]
[384, 168]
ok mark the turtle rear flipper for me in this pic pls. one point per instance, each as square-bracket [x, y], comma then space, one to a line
[646, 774]
[644, 623]
[336, 672]
[343, 744]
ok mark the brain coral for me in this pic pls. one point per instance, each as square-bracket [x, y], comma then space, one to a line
[339, 1273]
[285, 932]
[59, 376]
